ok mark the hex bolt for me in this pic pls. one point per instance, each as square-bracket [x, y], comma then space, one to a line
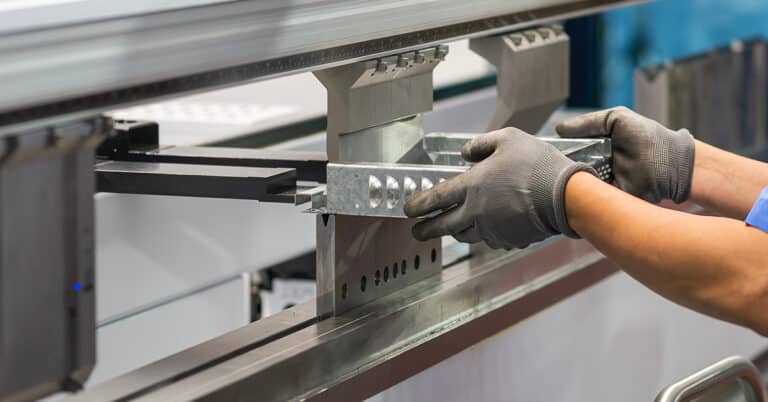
[516, 39]
[441, 51]
[402, 61]
[420, 58]
[382, 66]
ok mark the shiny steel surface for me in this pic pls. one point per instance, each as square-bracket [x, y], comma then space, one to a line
[360, 259]
[523, 101]
[731, 369]
[134, 57]
[363, 96]
[368, 349]
[380, 189]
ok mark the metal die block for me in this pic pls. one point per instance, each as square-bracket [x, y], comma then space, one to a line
[47, 258]
[380, 189]
[375, 92]
[720, 96]
[360, 259]
[533, 75]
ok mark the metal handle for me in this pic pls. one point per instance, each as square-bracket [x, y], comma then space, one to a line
[733, 368]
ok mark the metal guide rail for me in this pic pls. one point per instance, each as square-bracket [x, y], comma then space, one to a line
[294, 356]
[380, 189]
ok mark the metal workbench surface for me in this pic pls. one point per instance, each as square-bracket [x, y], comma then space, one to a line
[88, 61]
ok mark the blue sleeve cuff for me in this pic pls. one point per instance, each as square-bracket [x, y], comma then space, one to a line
[758, 216]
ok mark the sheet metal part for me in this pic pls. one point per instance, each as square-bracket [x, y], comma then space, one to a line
[176, 179]
[533, 75]
[134, 58]
[365, 258]
[380, 189]
[371, 348]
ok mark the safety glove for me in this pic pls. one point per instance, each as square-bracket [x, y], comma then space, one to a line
[511, 197]
[650, 161]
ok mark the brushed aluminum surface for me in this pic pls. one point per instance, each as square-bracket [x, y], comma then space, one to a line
[134, 57]
[381, 189]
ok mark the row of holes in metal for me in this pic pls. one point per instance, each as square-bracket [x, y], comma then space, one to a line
[402, 269]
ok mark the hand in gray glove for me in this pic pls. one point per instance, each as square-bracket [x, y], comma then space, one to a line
[650, 161]
[512, 197]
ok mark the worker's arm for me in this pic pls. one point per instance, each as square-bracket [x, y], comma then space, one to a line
[726, 183]
[713, 265]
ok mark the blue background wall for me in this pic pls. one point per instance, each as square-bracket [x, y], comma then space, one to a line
[667, 29]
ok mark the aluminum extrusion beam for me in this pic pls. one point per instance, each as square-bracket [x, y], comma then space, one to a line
[135, 57]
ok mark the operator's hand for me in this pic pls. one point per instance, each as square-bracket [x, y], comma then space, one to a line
[512, 197]
[650, 161]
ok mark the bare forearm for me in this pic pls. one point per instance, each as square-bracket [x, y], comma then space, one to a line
[713, 265]
[726, 183]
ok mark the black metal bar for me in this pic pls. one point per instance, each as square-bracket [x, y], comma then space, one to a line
[309, 166]
[250, 183]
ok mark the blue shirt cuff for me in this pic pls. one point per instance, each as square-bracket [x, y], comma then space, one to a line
[758, 216]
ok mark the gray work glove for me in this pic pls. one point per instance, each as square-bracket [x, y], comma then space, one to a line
[650, 161]
[512, 197]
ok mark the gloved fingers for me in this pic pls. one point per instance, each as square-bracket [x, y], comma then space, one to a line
[442, 196]
[449, 222]
[484, 145]
[594, 124]
[468, 235]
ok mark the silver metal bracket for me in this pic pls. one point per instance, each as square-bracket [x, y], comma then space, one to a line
[533, 75]
[380, 189]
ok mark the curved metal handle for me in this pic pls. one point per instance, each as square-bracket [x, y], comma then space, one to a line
[733, 368]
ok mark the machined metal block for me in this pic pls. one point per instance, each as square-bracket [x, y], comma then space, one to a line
[180, 179]
[363, 258]
[720, 96]
[533, 75]
[368, 94]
